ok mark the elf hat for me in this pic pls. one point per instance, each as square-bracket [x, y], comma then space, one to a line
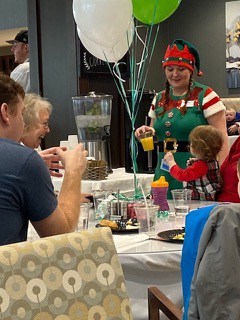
[182, 53]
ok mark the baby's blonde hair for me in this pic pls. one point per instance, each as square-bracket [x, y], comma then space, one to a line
[34, 104]
[231, 110]
[207, 141]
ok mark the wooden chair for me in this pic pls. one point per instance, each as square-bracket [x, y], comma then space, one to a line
[157, 300]
[64, 277]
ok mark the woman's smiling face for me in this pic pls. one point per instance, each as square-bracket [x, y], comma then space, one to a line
[36, 133]
[178, 77]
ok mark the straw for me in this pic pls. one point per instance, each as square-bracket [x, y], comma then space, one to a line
[145, 200]
[118, 203]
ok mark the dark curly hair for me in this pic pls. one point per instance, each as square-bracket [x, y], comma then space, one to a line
[207, 141]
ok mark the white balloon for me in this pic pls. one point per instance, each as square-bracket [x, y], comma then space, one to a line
[113, 54]
[103, 21]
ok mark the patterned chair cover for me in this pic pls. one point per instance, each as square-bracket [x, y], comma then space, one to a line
[64, 277]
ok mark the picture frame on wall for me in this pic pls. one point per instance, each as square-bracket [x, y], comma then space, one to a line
[233, 44]
[91, 66]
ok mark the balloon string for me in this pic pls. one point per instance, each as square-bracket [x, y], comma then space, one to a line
[151, 55]
[116, 66]
[143, 62]
[148, 40]
[144, 46]
[132, 144]
[138, 77]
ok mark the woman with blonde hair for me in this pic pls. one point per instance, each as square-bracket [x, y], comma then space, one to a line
[36, 116]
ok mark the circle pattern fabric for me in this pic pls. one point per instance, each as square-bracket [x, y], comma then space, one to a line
[65, 277]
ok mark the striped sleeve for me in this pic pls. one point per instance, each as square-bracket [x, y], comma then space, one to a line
[211, 103]
[151, 112]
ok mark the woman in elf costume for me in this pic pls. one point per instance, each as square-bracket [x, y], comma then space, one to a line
[183, 105]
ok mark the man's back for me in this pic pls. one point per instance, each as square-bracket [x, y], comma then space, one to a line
[26, 191]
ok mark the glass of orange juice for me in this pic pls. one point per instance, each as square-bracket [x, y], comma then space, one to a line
[146, 140]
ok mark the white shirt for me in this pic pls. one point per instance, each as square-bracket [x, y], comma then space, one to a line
[21, 74]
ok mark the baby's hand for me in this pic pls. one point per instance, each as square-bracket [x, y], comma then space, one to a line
[233, 129]
[168, 157]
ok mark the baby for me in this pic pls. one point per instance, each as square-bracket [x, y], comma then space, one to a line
[202, 174]
[232, 118]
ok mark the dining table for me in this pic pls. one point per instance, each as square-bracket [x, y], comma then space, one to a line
[148, 261]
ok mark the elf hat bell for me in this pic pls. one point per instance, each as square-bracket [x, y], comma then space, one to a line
[182, 53]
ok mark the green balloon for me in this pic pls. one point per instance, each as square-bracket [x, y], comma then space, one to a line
[154, 11]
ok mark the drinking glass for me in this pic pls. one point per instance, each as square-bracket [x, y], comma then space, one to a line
[182, 201]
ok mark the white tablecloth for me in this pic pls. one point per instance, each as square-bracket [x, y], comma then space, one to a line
[146, 263]
[118, 179]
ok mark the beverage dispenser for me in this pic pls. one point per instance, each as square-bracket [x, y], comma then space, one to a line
[93, 117]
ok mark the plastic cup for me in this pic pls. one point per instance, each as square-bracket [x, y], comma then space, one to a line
[101, 204]
[64, 143]
[146, 217]
[72, 141]
[146, 140]
[83, 217]
[182, 201]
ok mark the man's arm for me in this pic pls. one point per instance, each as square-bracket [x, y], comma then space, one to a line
[65, 217]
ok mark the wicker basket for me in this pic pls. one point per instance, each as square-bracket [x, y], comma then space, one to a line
[95, 170]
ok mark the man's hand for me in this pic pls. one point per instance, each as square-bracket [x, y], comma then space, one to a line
[51, 158]
[73, 160]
